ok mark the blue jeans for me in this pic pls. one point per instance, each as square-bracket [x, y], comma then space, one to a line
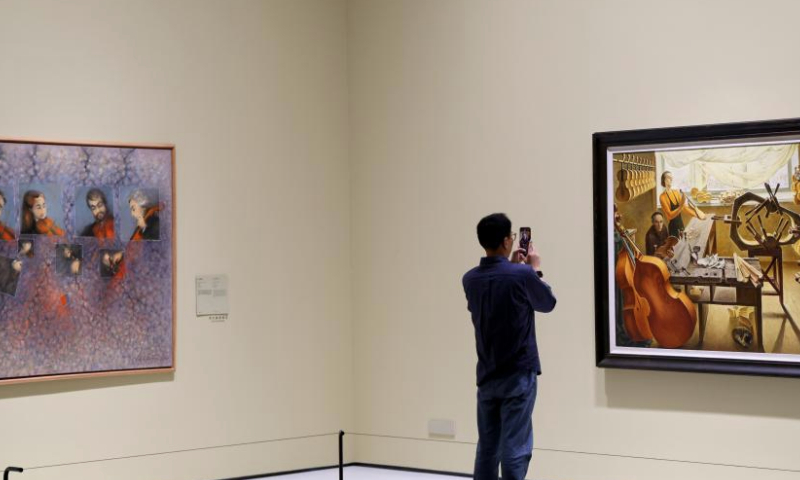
[505, 427]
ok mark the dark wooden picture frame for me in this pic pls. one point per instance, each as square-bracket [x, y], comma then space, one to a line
[684, 358]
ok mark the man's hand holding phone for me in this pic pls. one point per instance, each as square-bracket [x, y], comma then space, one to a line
[532, 257]
[518, 255]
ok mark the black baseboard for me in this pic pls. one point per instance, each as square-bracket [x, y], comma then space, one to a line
[409, 469]
[354, 464]
[285, 472]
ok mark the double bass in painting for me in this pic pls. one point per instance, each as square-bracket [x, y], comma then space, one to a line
[652, 308]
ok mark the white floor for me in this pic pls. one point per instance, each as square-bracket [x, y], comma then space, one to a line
[363, 473]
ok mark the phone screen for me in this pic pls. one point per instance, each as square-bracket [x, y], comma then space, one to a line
[524, 238]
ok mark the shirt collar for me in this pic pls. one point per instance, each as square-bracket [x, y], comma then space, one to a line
[494, 260]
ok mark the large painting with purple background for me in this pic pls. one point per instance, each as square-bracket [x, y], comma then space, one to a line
[95, 290]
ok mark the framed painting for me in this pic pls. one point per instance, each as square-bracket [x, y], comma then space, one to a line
[697, 236]
[87, 259]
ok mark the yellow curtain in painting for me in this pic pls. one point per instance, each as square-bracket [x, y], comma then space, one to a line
[736, 167]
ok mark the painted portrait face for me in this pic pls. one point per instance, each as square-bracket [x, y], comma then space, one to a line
[39, 208]
[98, 208]
[658, 222]
[668, 180]
[137, 212]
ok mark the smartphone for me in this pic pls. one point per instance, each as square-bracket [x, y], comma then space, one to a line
[524, 238]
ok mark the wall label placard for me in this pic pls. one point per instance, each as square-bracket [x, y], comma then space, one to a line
[212, 296]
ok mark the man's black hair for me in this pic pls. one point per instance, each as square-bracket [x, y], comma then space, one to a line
[492, 229]
[96, 193]
[653, 216]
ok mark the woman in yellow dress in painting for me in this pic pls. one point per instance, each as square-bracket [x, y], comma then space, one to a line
[673, 203]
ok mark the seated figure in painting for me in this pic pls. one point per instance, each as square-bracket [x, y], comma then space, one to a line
[6, 234]
[103, 226]
[145, 212]
[657, 234]
[34, 216]
[674, 203]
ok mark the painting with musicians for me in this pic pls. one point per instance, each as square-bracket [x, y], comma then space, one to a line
[87, 260]
[697, 243]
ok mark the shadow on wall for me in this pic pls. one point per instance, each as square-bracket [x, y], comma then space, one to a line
[53, 387]
[699, 392]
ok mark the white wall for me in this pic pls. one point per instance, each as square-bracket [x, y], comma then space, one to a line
[461, 108]
[254, 96]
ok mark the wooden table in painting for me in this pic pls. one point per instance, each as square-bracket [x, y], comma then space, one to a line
[719, 286]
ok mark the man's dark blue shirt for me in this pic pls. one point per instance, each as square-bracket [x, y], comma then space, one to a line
[502, 298]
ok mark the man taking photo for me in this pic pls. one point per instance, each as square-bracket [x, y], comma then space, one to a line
[502, 296]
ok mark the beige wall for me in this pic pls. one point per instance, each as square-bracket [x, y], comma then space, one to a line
[456, 109]
[254, 96]
[461, 108]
